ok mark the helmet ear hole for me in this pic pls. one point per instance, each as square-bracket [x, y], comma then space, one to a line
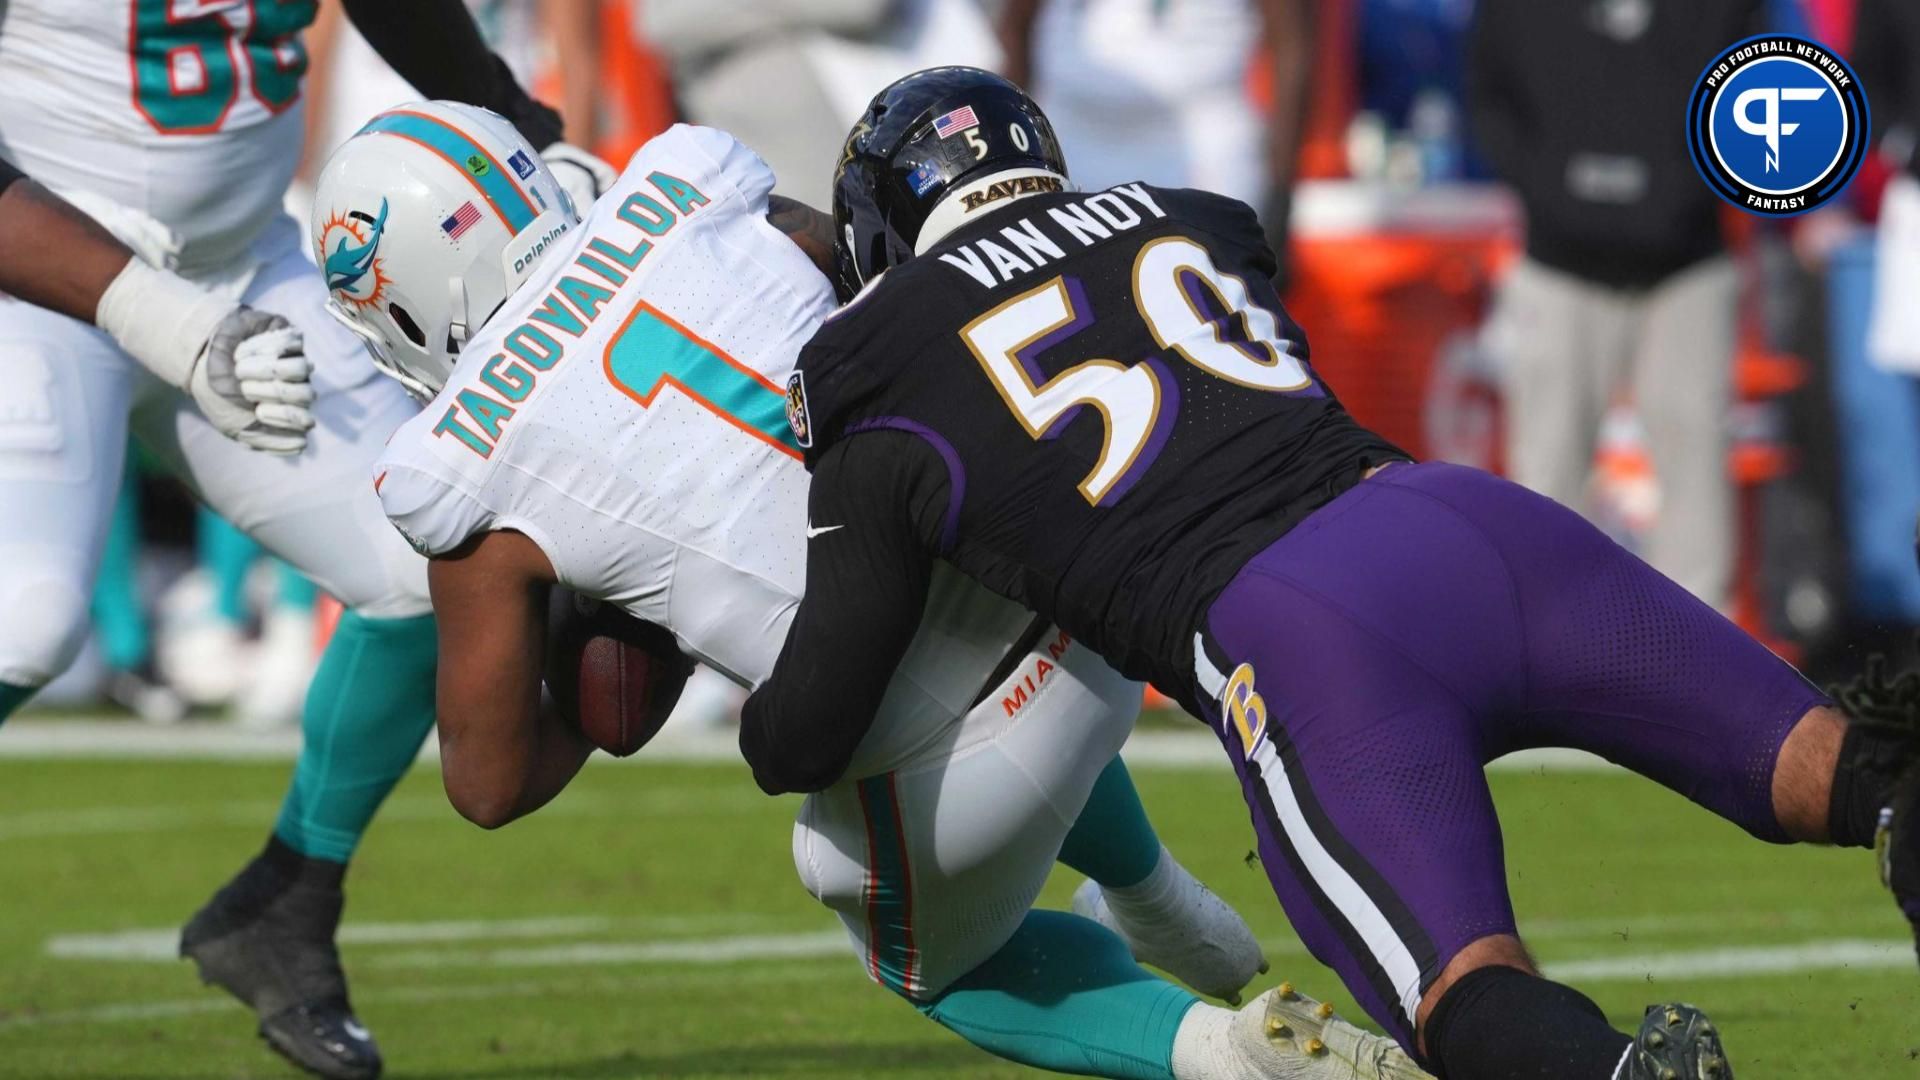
[407, 326]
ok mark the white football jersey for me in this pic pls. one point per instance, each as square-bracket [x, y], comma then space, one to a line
[626, 410]
[186, 111]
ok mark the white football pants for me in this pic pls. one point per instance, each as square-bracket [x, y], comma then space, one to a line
[68, 398]
[932, 866]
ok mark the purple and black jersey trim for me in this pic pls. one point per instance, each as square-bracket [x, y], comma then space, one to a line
[956, 471]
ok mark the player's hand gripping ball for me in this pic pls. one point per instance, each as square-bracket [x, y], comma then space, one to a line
[615, 677]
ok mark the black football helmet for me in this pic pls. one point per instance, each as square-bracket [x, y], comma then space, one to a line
[920, 138]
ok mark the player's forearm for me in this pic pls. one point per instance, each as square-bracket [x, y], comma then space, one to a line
[1290, 27]
[436, 47]
[574, 28]
[798, 733]
[868, 568]
[499, 765]
[503, 753]
[559, 750]
[53, 255]
[1014, 27]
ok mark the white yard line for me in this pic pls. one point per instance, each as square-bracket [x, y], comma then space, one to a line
[736, 949]
[161, 944]
[86, 738]
[608, 986]
[1624, 928]
[1830, 955]
[652, 802]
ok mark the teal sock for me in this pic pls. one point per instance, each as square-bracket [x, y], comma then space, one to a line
[1112, 841]
[1064, 994]
[117, 614]
[295, 591]
[368, 710]
[12, 697]
[227, 554]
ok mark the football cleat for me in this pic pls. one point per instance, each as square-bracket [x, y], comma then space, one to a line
[1881, 755]
[1897, 846]
[267, 938]
[1676, 1042]
[1284, 1033]
[1182, 928]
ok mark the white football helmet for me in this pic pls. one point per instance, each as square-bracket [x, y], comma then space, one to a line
[423, 224]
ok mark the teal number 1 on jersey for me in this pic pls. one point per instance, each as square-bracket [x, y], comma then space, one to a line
[652, 350]
[186, 70]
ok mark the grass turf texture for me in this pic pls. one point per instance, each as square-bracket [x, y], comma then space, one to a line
[636, 857]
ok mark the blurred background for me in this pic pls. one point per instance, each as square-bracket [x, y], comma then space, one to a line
[1488, 226]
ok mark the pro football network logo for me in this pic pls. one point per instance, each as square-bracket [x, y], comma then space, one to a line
[351, 245]
[1777, 125]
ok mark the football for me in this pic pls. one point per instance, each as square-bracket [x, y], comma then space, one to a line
[617, 678]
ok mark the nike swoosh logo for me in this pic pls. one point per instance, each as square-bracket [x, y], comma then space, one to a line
[356, 1031]
[813, 532]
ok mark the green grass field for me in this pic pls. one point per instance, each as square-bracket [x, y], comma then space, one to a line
[649, 924]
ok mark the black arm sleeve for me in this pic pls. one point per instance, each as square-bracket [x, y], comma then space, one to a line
[1884, 57]
[1494, 117]
[436, 47]
[875, 513]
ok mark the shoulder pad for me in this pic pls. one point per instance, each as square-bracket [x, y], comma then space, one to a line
[712, 151]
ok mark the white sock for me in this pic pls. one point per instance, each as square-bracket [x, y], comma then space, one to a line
[1150, 896]
[1203, 1047]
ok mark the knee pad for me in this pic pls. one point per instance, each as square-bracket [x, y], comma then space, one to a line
[919, 920]
[828, 850]
[46, 619]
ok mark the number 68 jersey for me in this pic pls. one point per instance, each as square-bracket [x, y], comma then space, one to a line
[183, 110]
[626, 410]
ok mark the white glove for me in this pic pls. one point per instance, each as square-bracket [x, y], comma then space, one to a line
[245, 369]
[251, 381]
[581, 175]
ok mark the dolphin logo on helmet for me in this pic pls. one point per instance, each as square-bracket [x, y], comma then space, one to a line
[347, 265]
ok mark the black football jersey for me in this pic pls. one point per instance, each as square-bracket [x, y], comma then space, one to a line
[1126, 413]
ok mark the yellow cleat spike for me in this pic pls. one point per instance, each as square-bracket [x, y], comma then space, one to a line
[1278, 1029]
[1669, 1074]
[1314, 1047]
[1655, 1040]
[1673, 1017]
[1323, 1010]
[1287, 992]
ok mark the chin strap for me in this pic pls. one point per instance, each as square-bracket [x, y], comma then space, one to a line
[458, 330]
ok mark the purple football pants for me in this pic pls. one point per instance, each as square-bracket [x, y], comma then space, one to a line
[1367, 666]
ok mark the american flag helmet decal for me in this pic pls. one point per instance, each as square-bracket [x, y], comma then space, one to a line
[953, 123]
[457, 223]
